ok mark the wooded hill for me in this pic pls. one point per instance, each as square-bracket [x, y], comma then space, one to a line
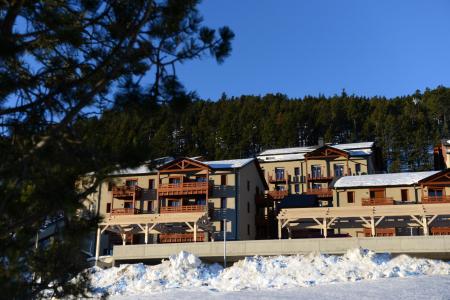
[405, 128]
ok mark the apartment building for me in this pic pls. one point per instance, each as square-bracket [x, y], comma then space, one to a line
[311, 170]
[183, 200]
[396, 204]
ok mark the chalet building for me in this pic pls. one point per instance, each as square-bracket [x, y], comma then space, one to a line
[442, 155]
[183, 200]
[431, 187]
[311, 170]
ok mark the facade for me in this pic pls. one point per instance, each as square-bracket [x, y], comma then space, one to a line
[183, 200]
[311, 170]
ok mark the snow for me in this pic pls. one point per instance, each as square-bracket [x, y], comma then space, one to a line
[353, 146]
[228, 164]
[287, 151]
[392, 179]
[283, 157]
[186, 272]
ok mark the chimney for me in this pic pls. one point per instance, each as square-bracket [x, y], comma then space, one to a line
[320, 142]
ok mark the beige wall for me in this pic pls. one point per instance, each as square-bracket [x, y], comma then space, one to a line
[249, 184]
[289, 167]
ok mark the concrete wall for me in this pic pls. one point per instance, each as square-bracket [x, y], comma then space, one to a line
[431, 246]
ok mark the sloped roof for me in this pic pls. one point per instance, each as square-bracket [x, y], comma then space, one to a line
[228, 164]
[392, 179]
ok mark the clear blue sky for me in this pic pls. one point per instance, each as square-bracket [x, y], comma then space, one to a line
[311, 47]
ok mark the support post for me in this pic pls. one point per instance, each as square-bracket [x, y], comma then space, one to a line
[124, 239]
[224, 243]
[425, 225]
[146, 233]
[325, 231]
[195, 232]
[279, 229]
[372, 226]
[97, 245]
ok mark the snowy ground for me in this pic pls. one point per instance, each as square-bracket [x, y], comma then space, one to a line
[355, 275]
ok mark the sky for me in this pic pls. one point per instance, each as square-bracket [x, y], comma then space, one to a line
[310, 47]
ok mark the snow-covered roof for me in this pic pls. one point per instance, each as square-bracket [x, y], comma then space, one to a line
[282, 157]
[228, 164]
[144, 168]
[298, 153]
[287, 150]
[353, 146]
[392, 179]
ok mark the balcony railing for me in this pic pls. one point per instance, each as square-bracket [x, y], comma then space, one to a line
[125, 211]
[185, 188]
[277, 195]
[377, 201]
[182, 209]
[323, 192]
[319, 177]
[284, 178]
[379, 232]
[181, 237]
[436, 199]
[126, 191]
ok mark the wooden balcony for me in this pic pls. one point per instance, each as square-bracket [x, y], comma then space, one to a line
[436, 199]
[319, 178]
[180, 237]
[185, 188]
[126, 192]
[379, 232]
[182, 209]
[279, 179]
[277, 195]
[440, 230]
[377, 201]
[125, 211]
[321, 193]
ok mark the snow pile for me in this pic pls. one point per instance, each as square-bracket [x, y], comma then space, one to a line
[187, 271]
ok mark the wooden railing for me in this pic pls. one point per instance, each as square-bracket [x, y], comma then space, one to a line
[440, 230]
[182, 209]
[379, 232]
[377, 201]
[277, 195]
[125, 211]
[436, 199]
[181, 237]
[279, 179]
[323, 192]
[185, 188]
[126, 191]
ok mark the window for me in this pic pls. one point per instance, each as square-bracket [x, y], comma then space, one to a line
[279, 173]
[248, 229]
[404, 195]
[175, 180]
[108, 207]
[149, 206]
[128, 205]
[358, 169]
[223, 203]
[131, 182]
[223, 179]
[316, 171]
[316, 186]
[297, 171]
[377, 194]
[350, 197]
[248, 207]
[248, 185]
[297, 188]
[338, 170]
[151, 184]
[222, 225]
[435, 192]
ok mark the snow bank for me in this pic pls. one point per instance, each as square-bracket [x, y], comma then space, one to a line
[185, 270]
